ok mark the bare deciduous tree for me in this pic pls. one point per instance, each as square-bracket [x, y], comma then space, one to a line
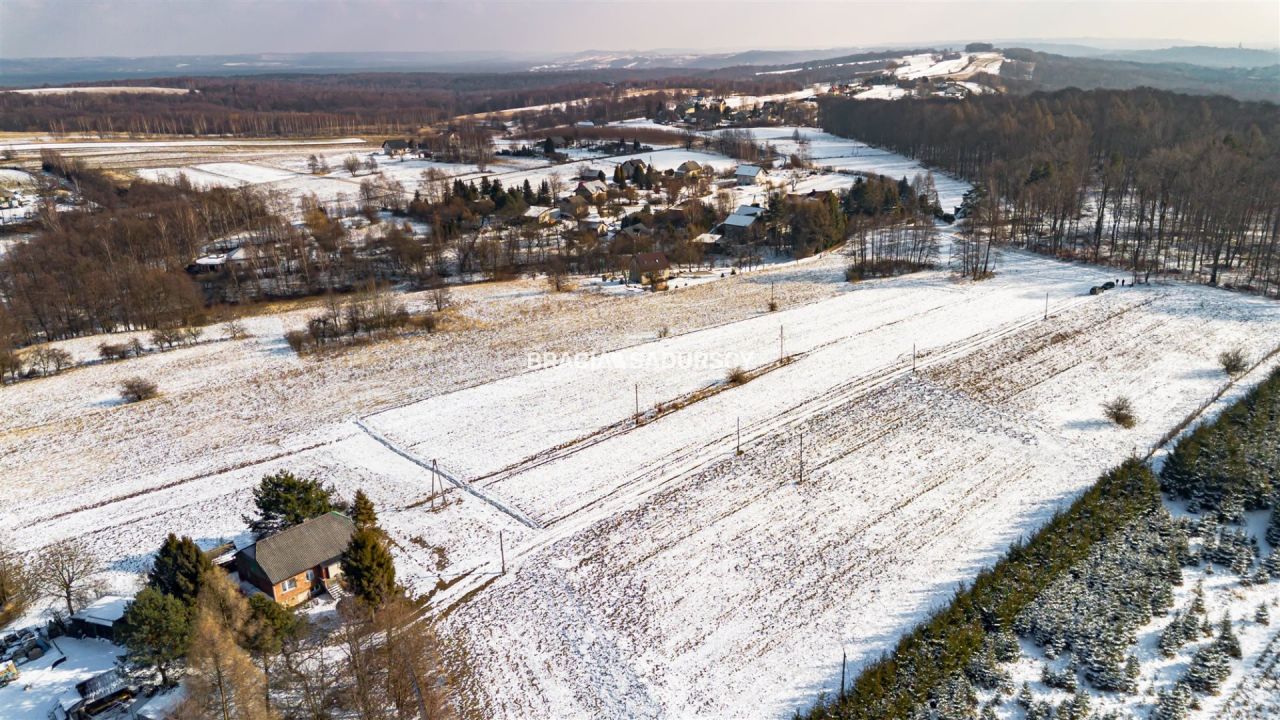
[65, 570]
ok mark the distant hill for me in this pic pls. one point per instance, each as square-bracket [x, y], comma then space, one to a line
[1031, 70]
[1217, 57]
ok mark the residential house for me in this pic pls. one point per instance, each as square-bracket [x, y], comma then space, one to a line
[749, 210]
[749, 174]
[631, 167]
[590, 173]
[542, 215]
[689, 168]
[594, 191]
[594, 223]
[293, 565]
[738, 228]
[395, 148]
[649, 268]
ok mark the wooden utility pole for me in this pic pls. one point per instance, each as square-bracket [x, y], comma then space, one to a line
[1046, 306]
[637, 404]
[844, 665]
[502, 553]
[781, 354]
[913, 358]
[434, 474]
[738, 444]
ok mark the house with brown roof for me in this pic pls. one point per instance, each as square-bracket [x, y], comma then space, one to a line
[292, 565]
[595, 191]
[649, 268]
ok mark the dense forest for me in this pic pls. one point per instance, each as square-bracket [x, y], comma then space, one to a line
[294, 105]
[1083, 585]
[1154, 182]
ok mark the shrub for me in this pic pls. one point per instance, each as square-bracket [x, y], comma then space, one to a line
[235, 329]
[736, 376]
[120, 351]
[664, 331]
[166, 337]
[191, 335]
[1233, 361]
[297, 340]
[137, 389]
[50, 361]
[425, 321]
[773, 306]
[1120, 412]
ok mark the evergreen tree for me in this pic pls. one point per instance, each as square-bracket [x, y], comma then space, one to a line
[1209, 667]
[270, 626]
[284, 500]
[179, 569]
[1262, 616]
[1227, 640]
[362, 512]
[156, 631]
[369, 569]
[1172, 637]
[1025, 698]
[1174, 704]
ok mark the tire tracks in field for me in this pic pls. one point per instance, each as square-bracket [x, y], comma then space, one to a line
[692, 459]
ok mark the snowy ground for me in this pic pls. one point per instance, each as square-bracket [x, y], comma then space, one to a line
[651, 570]
[40, 685]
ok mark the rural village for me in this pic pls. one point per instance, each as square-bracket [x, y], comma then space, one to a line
[661, 401]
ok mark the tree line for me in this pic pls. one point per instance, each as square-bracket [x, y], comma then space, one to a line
[325, 104]
[1150, 181]
[1083, 585]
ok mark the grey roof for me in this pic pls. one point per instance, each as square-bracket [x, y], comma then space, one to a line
[748, 171]
[742, 221]
[749, 210]
[302, 547]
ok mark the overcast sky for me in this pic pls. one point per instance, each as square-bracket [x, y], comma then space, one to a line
[73, 28]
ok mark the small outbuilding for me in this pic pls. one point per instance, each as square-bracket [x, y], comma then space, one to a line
[99, 619]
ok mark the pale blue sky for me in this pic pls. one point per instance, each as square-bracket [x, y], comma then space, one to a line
[51, 28]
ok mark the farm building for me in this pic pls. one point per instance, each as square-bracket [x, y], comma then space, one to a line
[293, 565]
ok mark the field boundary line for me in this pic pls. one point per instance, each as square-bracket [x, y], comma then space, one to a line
[498, 503]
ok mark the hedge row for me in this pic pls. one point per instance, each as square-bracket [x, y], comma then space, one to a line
[902, 682]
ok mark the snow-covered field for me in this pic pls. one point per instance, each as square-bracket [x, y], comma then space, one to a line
[104, 90]
[920, 425]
